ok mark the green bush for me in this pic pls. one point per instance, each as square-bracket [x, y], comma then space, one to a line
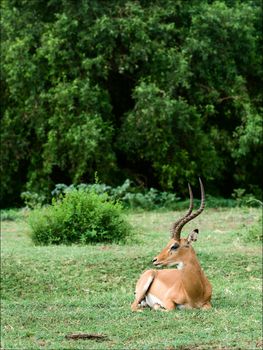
[80, 216]
[245, 199]
[11, 215]
[133, 197]
[254, 233]
[33, 200]
[130, 196]
[149, 200]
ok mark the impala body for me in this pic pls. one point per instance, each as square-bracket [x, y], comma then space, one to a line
[184, 286]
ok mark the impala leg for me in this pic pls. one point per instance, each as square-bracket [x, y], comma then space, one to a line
[157, 307]
[207, 306]
[169, 305]
[142, 287]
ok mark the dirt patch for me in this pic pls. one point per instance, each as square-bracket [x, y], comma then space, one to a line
[86, 336]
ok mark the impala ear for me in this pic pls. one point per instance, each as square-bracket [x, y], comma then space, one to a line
[192, 237]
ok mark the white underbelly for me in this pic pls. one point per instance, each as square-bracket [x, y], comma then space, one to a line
[151, 300]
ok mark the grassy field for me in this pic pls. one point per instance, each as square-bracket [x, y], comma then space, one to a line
[49, 292]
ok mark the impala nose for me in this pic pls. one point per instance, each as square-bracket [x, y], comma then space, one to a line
[154, 259]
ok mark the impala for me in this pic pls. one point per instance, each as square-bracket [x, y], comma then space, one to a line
[185, 286]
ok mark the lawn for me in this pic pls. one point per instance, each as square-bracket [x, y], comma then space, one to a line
[49, 292]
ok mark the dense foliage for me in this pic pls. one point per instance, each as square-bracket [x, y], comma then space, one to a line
[126, 194]
[157, 91]
[79, 217]
[133, 197]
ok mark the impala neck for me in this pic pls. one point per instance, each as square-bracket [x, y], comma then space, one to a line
[188, 260]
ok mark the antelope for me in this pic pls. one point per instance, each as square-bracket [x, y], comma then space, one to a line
[185, 286]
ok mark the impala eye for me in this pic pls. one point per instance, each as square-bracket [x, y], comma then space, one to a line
[175, 246]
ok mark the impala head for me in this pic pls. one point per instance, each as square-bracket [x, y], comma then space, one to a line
[177, 248]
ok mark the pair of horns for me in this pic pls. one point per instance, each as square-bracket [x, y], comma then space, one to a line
[179, 224]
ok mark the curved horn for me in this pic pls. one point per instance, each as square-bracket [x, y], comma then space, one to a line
[191, 205]
[190, 217]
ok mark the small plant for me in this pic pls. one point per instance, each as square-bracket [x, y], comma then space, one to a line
[11, 215]
[245, 199]
[59, 190]
[80, 216]
[149, 200]
[254, 233]
[115, 193]
[33, 200]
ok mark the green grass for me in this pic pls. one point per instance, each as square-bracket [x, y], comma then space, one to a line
[49, 292]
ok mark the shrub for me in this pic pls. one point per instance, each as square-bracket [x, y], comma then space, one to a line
[115, 193]
[11, 215]
[127, 194]
[245, 199]
[149, 199]
[33, 200]
[254, 233]
[80, 216]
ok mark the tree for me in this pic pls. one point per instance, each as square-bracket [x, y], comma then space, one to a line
[168, 90]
